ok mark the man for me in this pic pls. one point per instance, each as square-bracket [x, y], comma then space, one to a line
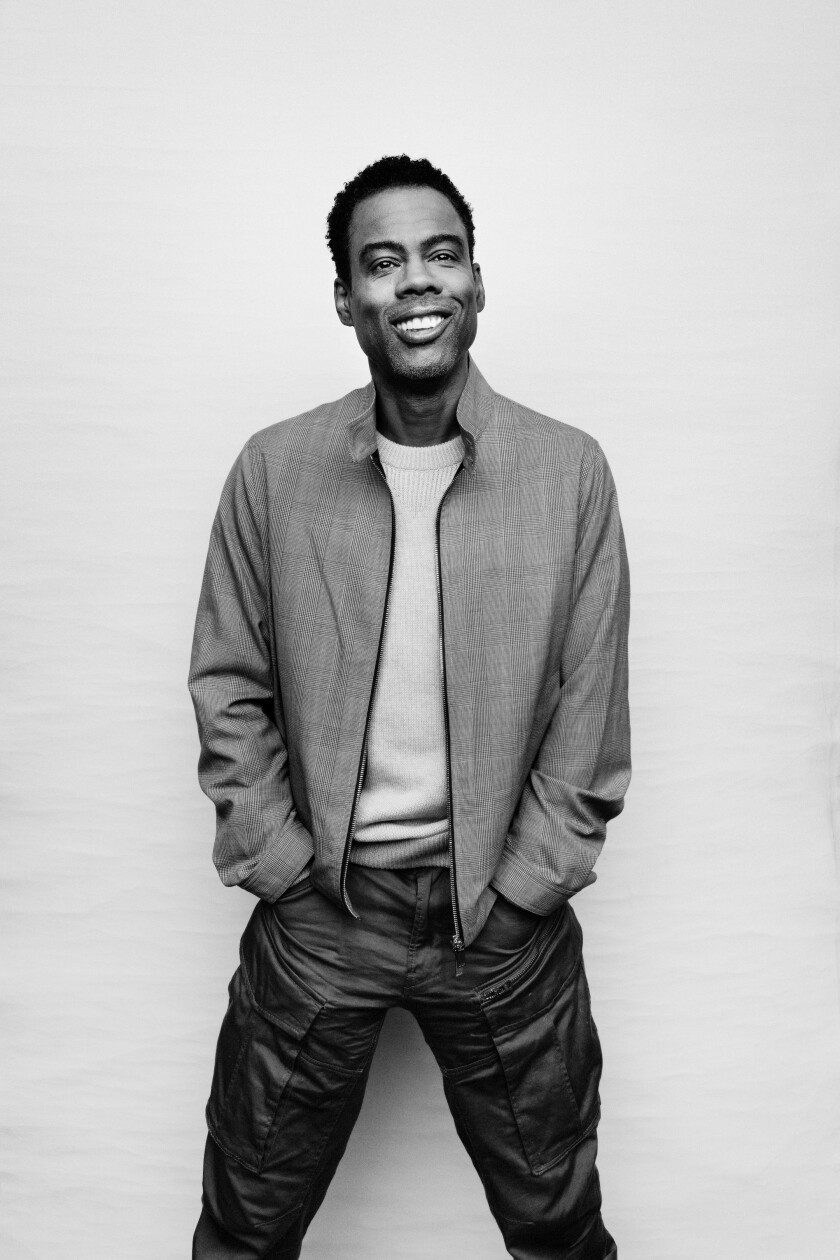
[410, 678]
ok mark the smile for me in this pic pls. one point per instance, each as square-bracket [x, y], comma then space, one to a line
[419, 323]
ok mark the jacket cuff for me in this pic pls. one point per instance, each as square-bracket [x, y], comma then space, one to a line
[518, 882]
[281, 865]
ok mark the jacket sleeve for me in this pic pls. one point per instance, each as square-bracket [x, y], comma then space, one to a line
[582, 769]
[243, 766]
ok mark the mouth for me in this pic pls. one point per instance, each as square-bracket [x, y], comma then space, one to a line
[418, 329]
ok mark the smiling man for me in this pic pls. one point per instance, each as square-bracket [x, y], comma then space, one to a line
[410, 678]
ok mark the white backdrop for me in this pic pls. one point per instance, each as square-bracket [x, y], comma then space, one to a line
[656, 188]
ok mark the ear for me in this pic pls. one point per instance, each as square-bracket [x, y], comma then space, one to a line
[341, 293]
[479, 287]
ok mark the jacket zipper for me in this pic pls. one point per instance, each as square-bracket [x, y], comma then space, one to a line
[360, 775]
[457, 940]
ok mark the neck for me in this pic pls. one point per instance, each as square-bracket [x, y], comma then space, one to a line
[423, 416]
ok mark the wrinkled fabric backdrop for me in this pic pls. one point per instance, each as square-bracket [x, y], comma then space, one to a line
[656, 189]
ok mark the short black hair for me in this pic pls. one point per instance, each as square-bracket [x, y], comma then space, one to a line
[396, 171]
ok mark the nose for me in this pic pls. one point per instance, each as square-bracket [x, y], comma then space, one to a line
[416, 277]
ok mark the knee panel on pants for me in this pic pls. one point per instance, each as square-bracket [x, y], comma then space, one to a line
[265, 1081]
[541, 1024]
[268, 1016]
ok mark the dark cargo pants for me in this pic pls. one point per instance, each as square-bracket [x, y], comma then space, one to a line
[513, 1036]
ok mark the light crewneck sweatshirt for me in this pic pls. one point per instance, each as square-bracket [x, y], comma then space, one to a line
[402, 817]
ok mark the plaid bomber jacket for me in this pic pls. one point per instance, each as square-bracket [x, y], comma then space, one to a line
[534, 604]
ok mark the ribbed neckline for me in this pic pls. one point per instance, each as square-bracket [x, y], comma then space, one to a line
[444, 455]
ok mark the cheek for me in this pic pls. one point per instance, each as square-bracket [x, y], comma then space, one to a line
[368, 315]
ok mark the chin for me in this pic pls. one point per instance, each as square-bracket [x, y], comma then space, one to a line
[430, 371]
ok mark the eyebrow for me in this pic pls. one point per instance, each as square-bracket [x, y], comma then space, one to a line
[394, 247]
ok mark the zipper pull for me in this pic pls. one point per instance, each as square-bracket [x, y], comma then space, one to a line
[458, 950]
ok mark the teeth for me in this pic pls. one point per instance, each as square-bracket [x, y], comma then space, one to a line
[420, 321]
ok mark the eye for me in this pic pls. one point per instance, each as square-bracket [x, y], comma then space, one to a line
[382, 264]
[443, 255]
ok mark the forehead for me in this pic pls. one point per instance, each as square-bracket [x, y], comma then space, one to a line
[406, 215]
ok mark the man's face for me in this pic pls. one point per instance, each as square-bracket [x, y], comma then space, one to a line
[414, 295]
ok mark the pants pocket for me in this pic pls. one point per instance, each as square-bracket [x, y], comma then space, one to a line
[295, 891]
[269, 1014]
[548, 1046]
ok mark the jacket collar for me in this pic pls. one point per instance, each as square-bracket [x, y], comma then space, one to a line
[473, 415]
